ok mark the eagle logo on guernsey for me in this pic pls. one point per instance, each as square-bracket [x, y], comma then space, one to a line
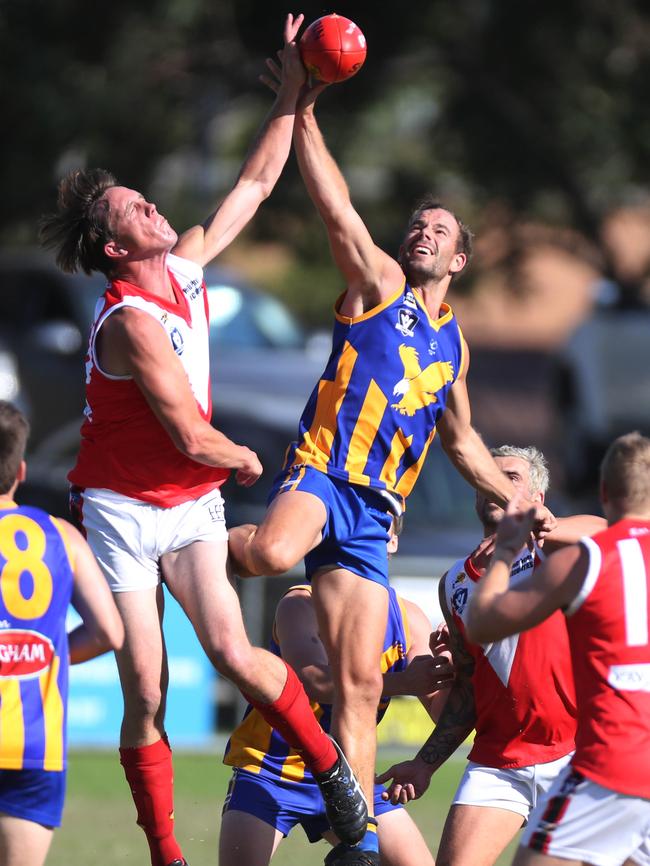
[24, 654]
[418, 387]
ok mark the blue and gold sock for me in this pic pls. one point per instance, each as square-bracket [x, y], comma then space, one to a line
[370, 841]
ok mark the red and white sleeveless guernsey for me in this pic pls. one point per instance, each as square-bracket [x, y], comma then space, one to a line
[523, 684]
[608, 632]
[123, 445]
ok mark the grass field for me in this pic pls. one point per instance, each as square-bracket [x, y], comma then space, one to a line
[99, 820]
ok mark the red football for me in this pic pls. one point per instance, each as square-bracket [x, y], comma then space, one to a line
[333, 48]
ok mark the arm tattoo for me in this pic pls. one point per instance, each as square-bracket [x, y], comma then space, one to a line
[456, 723]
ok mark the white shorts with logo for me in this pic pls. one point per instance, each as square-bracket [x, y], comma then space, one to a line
[581, 820]
[514, 789]
[128, 536]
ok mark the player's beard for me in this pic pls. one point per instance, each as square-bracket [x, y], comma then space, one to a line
[489, 514]
[421, 271]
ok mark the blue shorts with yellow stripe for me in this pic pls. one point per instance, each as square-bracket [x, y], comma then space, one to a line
[356, 528]
[34, 795]
[284, 804]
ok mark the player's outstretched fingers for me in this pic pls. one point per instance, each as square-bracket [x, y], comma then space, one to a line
[292, 26]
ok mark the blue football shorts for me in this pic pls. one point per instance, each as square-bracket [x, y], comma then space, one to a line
[284, 804]
[357, 525]
[35, 795]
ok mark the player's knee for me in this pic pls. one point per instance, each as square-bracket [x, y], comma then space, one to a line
[272, 555]
[233, 662]
[144, 704]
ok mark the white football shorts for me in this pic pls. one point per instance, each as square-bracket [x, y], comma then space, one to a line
[129, 536]
[514, 789]
[580, 820]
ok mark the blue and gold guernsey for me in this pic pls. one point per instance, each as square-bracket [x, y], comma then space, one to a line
[372, 416]
[256, 747]
[36, 581]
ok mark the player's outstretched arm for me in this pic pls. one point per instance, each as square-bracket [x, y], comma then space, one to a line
[472, 458]
[101, 628]
[368, 271]
[464, 446]
[262, 166]
[410, 779]
[571, 529]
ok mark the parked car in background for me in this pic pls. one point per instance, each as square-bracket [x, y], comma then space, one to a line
[45, 319]
[601, 388]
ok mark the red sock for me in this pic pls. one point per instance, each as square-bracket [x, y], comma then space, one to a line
[148, 770]
[292, 716]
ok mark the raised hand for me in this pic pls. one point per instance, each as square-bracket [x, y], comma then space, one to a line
[439, 642]
[289, 72]
[544, 522]
[425, 675]
[516, 525]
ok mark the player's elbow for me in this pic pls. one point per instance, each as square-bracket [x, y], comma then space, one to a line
[457, 445]
[452, 442]
[116, 635]
[254, 190]
[110, 634]
[265, 186]
[190, 441]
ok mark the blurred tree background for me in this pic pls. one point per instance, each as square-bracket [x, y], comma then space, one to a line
[511, 111]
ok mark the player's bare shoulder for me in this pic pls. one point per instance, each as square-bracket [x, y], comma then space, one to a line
[127, 338]
[371, 287]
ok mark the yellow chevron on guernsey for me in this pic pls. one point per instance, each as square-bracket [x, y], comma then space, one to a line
[318, 440]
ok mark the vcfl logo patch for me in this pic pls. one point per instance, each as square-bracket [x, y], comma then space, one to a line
[406, 322]
[177, 341]
[459, 599]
